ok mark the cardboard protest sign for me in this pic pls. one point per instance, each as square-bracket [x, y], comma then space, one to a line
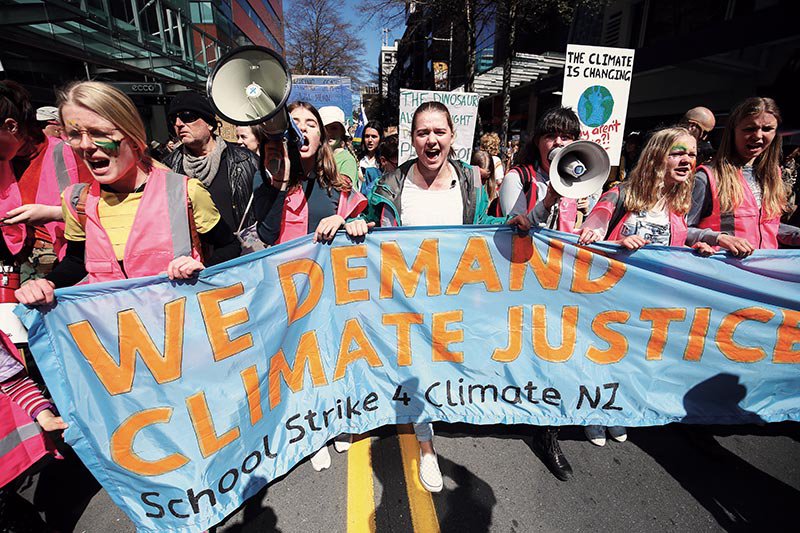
[463, 108]
[597, 81]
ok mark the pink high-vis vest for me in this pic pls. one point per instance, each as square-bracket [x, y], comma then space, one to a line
[161, 229]
[10, 198]
[747, 220]
[59, 171]
[294, 222]
[22, 442]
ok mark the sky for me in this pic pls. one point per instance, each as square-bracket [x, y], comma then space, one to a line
[370, 33]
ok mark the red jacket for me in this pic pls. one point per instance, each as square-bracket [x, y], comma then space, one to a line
[13, 234]
[53, 169]
[294, 222]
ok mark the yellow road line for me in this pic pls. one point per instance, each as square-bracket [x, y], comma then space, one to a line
[360, 493]
[423, 513]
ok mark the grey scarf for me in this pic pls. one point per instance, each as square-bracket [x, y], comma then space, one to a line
[204, 168]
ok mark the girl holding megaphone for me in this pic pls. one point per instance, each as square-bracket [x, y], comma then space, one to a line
[314, 198]
[310, 198]
[526, 188]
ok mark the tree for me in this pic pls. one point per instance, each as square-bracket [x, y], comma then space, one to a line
[516, 23]
[538, 17]
[320, 42]
[466, 14]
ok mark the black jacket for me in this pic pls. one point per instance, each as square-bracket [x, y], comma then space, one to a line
[230, 194]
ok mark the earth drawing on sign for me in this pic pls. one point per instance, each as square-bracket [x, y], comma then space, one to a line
[595, 106]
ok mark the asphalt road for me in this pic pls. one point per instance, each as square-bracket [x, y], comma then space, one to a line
[732, 478]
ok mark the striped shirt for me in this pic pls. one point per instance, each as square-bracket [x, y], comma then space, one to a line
[24, 392]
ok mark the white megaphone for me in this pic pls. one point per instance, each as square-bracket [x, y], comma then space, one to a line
[251, 85]
[579, 169]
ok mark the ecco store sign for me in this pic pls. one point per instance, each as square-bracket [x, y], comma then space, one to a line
[155, 89]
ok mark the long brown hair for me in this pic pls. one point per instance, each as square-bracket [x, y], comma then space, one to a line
[645, 186]
[766, 165]
[325, 166]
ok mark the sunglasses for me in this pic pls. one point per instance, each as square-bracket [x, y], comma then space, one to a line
[186, 117]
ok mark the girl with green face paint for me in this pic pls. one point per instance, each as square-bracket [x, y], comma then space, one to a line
[648, 208]
[108, 145]
[336, 135]
[124, 202]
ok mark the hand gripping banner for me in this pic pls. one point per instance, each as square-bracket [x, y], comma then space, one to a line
[185, 398]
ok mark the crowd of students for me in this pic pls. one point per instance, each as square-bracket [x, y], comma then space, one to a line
[83, 200]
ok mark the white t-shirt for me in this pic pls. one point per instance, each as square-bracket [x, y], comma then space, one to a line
[650, 225]
[512, 197]
[424, 207]
[499, 173]
[368, 162]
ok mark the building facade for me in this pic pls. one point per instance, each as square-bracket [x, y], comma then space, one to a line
[441, 37]
[712, 53]
[386, 63]
[148, 48]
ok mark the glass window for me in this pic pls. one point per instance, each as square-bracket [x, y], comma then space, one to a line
[202, 12]
[667, 20]
[260, 25]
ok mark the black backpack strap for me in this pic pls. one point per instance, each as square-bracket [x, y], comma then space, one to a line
[619, 209]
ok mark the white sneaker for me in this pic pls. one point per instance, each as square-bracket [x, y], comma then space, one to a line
[322, 459]
[342, 442]
[618, 433]
[429, 474]
[596, 435]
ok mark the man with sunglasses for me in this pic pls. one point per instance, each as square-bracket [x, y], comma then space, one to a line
[700, 122]
[225, 169]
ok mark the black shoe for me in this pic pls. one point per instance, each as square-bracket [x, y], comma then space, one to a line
[551, 454]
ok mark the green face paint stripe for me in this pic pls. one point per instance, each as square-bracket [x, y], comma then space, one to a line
[679, 147]
[111, 145]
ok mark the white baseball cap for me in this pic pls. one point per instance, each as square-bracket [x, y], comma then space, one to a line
[47, 113]
[331, 114]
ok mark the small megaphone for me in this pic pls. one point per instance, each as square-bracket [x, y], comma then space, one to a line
[251, 85]
[579, 169]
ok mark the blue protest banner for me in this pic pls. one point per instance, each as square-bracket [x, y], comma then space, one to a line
[185, 398]
[323, 91]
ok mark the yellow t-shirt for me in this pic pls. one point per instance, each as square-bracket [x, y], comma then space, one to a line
[117, 211]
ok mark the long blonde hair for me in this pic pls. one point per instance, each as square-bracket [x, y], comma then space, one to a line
[645, 186]
[766, 165]
[114, 106]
